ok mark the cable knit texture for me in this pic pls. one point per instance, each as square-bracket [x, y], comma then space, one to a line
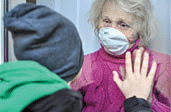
[101, 93]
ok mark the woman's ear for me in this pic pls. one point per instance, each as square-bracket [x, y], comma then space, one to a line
[142, 43]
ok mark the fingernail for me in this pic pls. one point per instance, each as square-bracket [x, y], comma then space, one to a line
[146, 53]
[114, 72]
[141, 48]
[154, 63]
[138, 51]
[127, 53]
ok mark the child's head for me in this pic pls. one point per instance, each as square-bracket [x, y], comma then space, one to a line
[43, 35]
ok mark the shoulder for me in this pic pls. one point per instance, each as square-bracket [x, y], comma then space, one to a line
[86, 73]
[92, 62]
[163, 61]
[160, 57]
[164, 73]
[91, 56]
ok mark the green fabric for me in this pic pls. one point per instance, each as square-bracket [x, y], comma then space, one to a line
[23, 82]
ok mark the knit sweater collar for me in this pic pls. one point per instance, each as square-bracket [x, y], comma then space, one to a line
[117, 58]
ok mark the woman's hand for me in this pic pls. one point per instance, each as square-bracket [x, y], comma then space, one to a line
[138, 81]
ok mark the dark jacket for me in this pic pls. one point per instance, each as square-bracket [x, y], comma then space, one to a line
[134, 104]
[23, 82]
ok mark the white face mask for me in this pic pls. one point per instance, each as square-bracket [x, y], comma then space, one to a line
[113, 41]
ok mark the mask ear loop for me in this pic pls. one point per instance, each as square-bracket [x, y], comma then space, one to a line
[98, 38]
[139, 41]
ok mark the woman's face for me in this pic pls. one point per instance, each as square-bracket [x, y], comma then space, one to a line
[115, 17]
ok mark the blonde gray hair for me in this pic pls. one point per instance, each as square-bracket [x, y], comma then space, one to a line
[142, 11]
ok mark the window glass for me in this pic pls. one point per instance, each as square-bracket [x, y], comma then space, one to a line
[1, 32]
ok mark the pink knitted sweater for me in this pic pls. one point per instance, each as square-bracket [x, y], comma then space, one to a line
[100, 92]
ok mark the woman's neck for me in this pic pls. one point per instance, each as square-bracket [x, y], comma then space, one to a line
[117, 58]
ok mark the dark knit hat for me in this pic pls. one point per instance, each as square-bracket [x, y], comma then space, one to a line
[45, 36]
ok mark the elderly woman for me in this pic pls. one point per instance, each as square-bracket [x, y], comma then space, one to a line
[123, 27]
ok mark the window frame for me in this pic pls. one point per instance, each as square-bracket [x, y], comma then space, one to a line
[3, 33]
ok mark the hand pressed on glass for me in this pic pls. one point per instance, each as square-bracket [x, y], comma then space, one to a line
[138, 81]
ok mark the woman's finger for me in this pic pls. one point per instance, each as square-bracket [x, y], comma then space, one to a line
[117, 79]
[134, 54]
[152, 71]
[142, 52]
[141, 49]
[137, 62]
[128, 64]
[144, 68]
[123, 73]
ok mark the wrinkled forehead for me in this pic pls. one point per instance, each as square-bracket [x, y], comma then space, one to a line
[115, 13]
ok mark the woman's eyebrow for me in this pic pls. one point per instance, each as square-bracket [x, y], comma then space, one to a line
[117, 20]
[122, 20]
[106, 17]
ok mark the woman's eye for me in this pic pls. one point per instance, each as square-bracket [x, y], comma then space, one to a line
[107, 21]
[124, 25]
